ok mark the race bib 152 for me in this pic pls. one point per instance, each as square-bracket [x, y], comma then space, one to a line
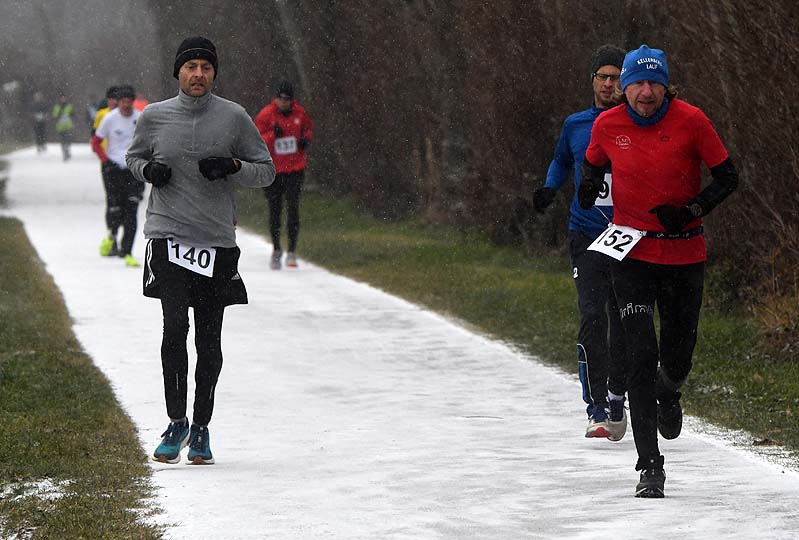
[617, 241]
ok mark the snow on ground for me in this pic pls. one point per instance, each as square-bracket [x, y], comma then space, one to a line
[346, 413]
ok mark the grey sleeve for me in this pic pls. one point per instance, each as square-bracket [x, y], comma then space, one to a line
[257, 168]
[140, 151]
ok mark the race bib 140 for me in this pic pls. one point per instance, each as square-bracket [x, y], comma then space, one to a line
[197, 259]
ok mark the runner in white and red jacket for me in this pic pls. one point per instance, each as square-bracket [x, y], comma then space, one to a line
[287, 130]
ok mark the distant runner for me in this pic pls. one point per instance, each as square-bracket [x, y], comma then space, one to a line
[123, 192]
[63, 113]
[287, 130]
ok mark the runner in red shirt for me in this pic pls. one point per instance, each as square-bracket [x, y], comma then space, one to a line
[287, 130]
[656, 145]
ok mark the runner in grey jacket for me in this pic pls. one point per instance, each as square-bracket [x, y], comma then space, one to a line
[189, 148]
[179, 132]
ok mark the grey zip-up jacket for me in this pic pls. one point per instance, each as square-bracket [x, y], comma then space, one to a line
[179, 132]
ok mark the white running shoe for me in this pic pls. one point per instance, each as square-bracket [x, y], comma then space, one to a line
[617, 421]
[291, 260]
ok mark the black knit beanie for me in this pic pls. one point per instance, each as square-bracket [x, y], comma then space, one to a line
[284, 88]
[193, 48]
[607, 55]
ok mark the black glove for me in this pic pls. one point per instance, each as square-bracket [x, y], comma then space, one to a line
[673, 218]
[591, 181]
[216, 168]
[157, 174]
[304, 143]
[543, 197]
[278, 131]
[587, 192]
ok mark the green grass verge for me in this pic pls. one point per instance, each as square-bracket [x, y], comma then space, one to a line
[531, 303]
[59, 420]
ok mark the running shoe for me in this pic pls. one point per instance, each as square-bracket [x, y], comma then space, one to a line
[131, 261]
[670, 415]
[291, 260]
[652, 481]
[597, 424]
[107, 246]
[200, 446]
[617, 420]
[274, 263]
[173, 440]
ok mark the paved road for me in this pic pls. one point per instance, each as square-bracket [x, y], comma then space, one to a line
[346, 413]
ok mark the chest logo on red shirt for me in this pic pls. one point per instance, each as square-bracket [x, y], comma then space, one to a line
[623, 142]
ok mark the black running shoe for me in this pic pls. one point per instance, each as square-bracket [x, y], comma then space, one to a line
[651, 484]
[670, 415]
[653, 478]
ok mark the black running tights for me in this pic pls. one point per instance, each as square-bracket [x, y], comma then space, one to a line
[174, 358]
[289, 184]
[677, 291]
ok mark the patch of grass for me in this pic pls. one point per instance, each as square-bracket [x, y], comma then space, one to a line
[59, 419]
[531, 302]
[736, 382]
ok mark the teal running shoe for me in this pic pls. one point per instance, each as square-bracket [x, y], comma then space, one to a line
[174, 440]
[200, 446]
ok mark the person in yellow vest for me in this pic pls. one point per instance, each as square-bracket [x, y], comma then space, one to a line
[64, 124]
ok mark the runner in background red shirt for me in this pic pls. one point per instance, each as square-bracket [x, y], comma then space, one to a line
[656, 145]
[287, 130]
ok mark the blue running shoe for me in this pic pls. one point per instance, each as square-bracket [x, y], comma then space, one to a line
[174, 440]
[200, 446]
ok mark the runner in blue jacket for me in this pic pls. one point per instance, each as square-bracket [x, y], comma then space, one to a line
[600, 341]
